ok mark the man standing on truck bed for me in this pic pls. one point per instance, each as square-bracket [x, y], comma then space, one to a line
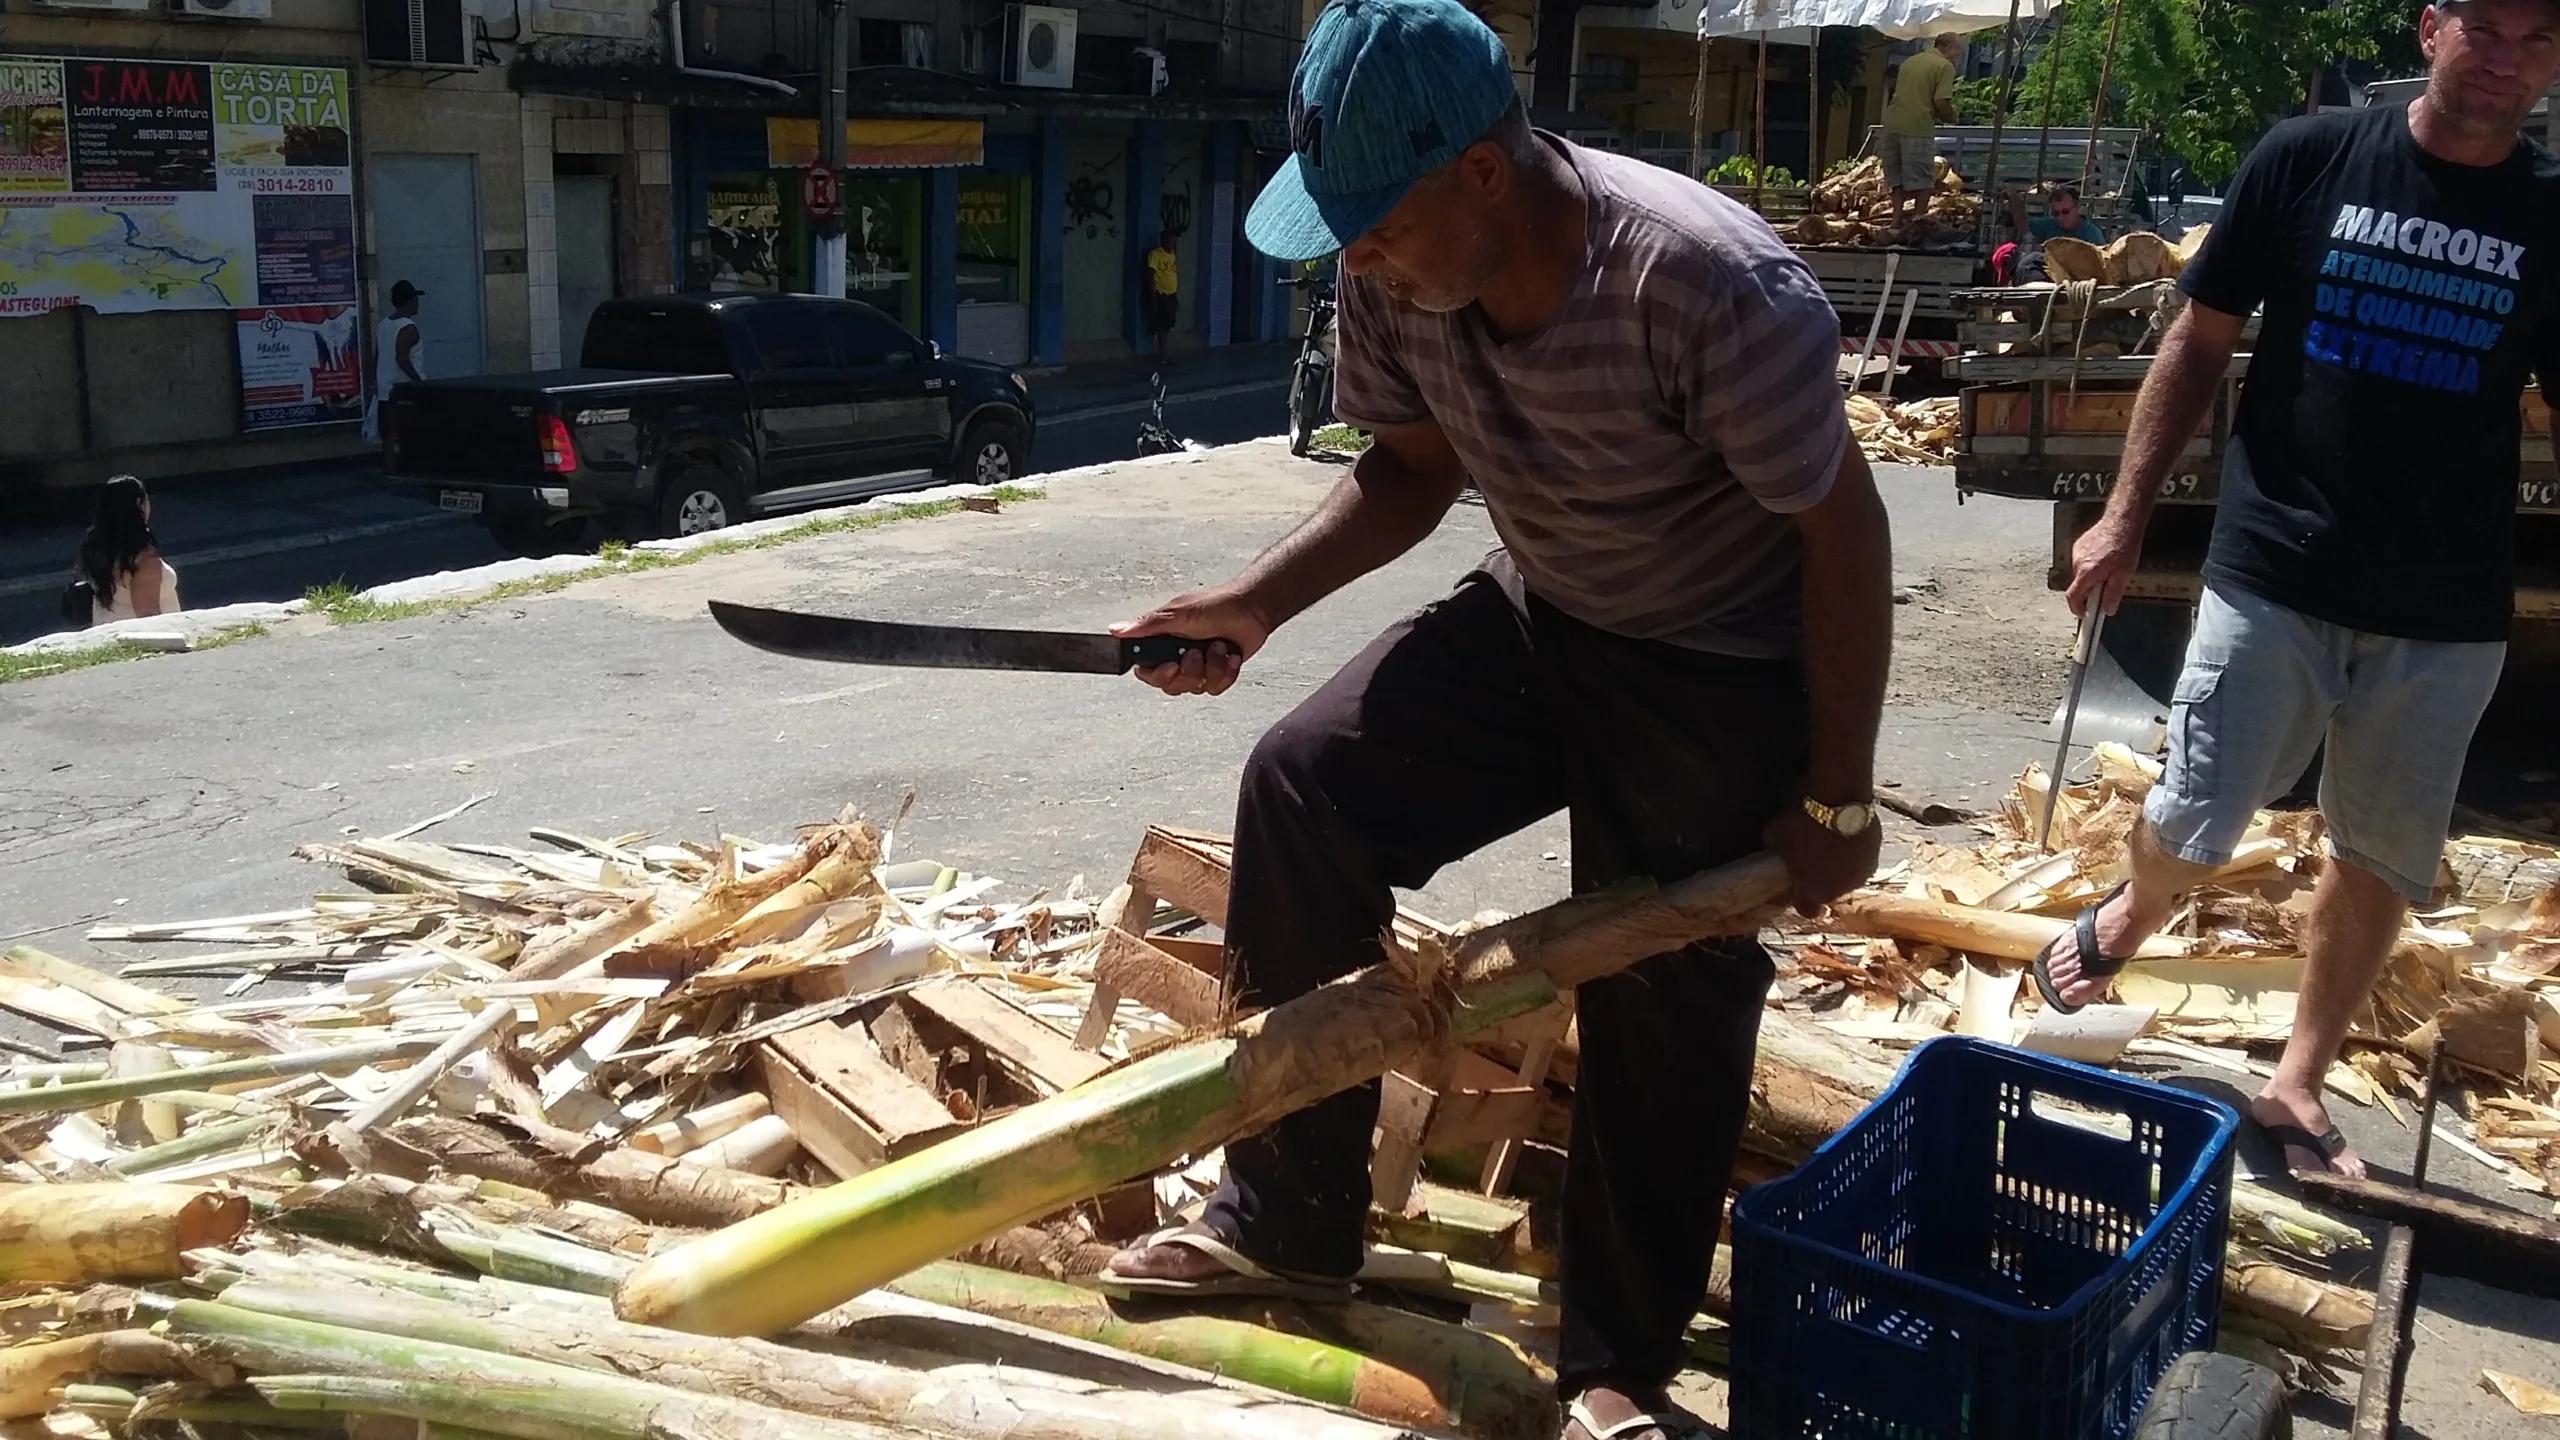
[1924, 97]
[1684, 644]
[2360, 579]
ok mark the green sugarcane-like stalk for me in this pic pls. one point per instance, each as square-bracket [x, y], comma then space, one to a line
[114, 1405]
[886, 1384]
[204, 1140]
[774, 1270]
[324, 1365]
[1380, 1361]
[82, 1094]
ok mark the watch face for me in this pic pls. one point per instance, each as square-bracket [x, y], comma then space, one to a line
[1852, 819]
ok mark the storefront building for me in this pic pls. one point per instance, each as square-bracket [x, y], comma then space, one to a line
[1014, 238]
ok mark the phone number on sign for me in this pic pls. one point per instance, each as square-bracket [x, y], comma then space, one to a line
[297, 185]
[2090, 484]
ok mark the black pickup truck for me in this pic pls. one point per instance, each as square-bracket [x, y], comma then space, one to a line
[691, 412]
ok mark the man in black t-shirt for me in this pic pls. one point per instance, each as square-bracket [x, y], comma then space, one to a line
[2360, 579]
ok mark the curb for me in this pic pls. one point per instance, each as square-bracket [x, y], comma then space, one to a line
[274, 543]
[279, 543]
[1133, 407]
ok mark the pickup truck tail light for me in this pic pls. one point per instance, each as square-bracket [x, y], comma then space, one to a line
[559, 454]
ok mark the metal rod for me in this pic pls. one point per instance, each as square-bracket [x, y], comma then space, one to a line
[835, 35]
[2098, 104]
[2395, 1293]
[1999, 117]
[2052, 77]
[2084, 648]
[1813, 108]
[1760, 127]
[1875, 327]
[1698, 114]
[1901, 327]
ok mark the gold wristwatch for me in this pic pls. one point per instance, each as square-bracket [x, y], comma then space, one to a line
[1850, 819]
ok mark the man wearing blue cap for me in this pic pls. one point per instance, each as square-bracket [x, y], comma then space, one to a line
[1683, 642]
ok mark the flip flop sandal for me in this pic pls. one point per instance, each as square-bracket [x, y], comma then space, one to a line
[1674, 1426]
[1246, 1278]
[2095, 964]
[2328, 1146]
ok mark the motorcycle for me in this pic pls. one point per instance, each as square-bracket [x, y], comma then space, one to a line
[1155, 435]
[1311, 378]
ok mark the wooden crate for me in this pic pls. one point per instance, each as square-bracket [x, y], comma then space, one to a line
[1462, 1100]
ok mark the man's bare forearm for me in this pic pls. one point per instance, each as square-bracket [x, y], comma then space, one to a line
[1848, 631]
[2175, 395]
[1379, 511]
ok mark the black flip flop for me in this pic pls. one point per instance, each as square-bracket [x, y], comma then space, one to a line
[2328, 1146]
[2095, 964]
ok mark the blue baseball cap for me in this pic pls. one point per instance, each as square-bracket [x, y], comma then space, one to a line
[1386, 92]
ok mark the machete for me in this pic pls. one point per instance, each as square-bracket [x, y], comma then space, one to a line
[883, 642]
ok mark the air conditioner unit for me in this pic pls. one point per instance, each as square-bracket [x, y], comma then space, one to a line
[226, 9]
[417, 34]
[1039, 46]
[1146, 70]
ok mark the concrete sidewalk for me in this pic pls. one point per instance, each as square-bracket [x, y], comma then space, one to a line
[204, 520]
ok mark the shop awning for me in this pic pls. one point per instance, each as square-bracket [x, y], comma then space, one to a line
[791, 143]
[1901, 19]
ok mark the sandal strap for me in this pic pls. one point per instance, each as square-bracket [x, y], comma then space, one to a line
[2095, 962]
[1636, 1424]
[2327, 1145]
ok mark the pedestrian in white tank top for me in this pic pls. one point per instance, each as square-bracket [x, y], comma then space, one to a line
[395, 351]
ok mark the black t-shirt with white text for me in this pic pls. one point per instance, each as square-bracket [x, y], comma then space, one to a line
[2372, 482]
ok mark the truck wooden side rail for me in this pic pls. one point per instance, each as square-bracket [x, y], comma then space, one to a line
[2048, 394]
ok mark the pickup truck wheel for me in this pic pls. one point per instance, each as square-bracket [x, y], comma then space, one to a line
[991, 454]
[697, 499]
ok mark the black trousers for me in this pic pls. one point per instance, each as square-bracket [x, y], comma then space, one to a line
[1484, 712]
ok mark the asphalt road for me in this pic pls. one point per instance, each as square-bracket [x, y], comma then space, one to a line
[176, 787]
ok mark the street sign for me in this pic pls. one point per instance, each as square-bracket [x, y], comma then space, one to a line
[821, 192]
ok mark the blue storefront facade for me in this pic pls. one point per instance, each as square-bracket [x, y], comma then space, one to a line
[1015, 237]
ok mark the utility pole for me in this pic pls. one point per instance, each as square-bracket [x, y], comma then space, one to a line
[835, 34]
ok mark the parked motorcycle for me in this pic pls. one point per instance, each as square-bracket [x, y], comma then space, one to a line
[1311, 378]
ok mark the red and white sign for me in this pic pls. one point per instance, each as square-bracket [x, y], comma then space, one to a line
[821, 192]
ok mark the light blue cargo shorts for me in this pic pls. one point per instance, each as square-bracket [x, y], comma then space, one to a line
[2264, 685]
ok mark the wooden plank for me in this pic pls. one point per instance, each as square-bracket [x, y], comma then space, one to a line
[1133, 967]
[1404, 1117]
[1467, 1118]
[2487, 1243]
[1209, 957]
[1182, 875]
[1111, 915]
[906, 1115]
[826, 1127]
[1532, 1072]
[1014, 1038]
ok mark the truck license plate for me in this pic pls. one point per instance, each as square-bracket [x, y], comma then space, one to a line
[466, 502]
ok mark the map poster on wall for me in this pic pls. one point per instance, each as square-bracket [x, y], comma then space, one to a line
[132, 185]
[139, 126]
[299, 365]
[35, 145]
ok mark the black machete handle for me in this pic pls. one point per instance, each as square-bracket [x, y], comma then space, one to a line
[1148, 651]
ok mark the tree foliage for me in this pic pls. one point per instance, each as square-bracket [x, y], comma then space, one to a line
[2199, 78]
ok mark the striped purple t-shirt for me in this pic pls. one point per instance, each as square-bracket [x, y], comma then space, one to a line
[1641, 453]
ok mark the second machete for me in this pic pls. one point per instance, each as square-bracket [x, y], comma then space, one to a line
[886, 642]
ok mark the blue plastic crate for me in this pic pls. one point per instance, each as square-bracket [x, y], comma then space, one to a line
[2003, 1247]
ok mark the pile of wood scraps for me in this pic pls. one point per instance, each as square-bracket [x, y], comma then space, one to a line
[455, 1144]
[1905, 432]
[1853, 207]
[1940, 945]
